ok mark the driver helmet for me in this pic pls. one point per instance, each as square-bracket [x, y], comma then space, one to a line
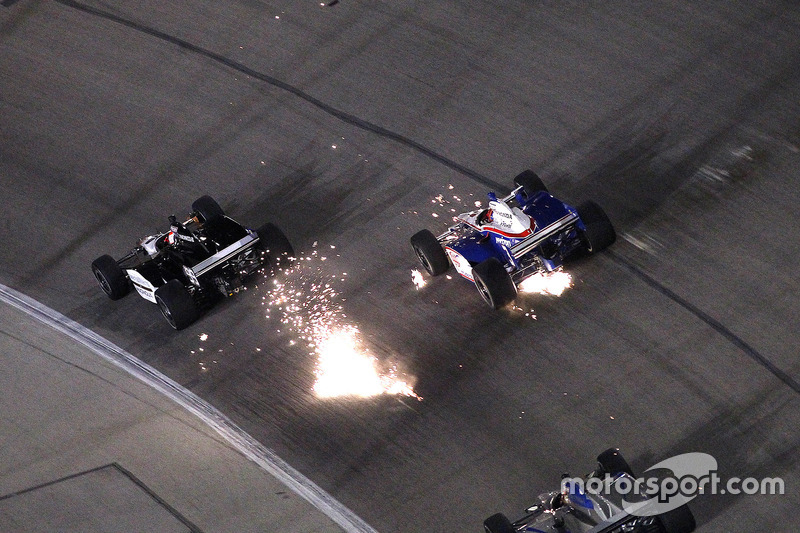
[173, 224]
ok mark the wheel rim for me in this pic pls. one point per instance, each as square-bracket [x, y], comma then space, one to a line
[423, 259]
[101, 279]
[165, 311]
[484, 290]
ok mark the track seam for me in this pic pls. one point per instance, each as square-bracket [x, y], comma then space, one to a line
[337, 113]
[212, 417]
[720, 328]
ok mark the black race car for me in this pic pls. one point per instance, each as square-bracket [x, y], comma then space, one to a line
[184, 270]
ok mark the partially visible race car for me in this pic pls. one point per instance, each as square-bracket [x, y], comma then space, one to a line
[184, 270]
[529, 231]
[574, 510]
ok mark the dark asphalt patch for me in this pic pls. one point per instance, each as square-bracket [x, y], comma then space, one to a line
[720, 328]
[338, 113]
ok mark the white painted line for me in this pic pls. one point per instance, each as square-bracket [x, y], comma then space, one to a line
[236, 436]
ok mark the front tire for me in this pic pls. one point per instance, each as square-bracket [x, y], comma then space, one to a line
[176, 304]
[430, 253]
[275, 244]
[612, 462]
[530, 182]
[208, 209]
[498, 523]
[111, 277]
[493, 282]
[599, 233]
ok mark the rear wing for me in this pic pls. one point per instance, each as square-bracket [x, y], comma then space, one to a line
[682, 520]
[529, 243]
[612, 525]
[245, 243]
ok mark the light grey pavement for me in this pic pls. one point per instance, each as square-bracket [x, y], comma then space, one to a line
[85, 447]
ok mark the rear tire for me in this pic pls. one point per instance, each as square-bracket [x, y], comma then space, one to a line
[176, 304]
[612, 462]
[111, 277]
[498, 523]
[430, 253]
[275, 244]
[208, 209]
[493, 282]
[599, 233]
[530, 182]
[679, 520]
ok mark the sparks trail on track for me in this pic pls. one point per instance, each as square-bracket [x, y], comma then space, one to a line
[553, 283]
[306, 302]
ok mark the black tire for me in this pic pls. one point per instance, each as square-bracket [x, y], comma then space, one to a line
[493, 282]
[176, 304]
[111, 277]
[612, 462]
[430, 253]
[678, 520]
[498, 523]
[275, 244]
[530, 182]
[208, 209]
[599, 233]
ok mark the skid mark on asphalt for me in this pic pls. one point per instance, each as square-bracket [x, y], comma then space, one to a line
[338, 113]
[720, 328]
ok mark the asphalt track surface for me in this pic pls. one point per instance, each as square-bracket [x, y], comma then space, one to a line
[342, 123]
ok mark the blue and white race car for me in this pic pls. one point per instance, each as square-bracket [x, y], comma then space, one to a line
[528, 232]
[574, 510]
